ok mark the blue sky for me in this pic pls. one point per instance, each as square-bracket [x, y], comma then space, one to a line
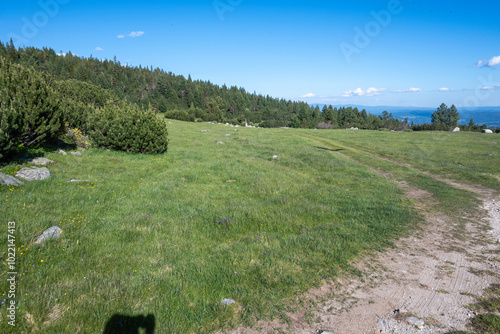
[400, 53]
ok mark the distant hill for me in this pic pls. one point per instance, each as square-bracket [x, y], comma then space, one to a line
[418, 115]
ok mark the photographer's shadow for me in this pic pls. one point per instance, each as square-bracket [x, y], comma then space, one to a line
[124, 324]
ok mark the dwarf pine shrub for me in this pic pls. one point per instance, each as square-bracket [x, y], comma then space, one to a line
[30, 112]
[127, 128]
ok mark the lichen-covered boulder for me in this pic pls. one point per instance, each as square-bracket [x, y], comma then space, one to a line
[33, 173]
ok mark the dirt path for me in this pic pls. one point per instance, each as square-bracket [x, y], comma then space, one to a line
[421, 286]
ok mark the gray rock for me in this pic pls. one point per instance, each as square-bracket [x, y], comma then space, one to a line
[9, 180]
[487, 131]
[219, 142]
[227, 134]
[383, 325]
[324, 332]
[62, 152]
[204, 130]
[38, 161]
[227, 301]
[275, 157]
[76, 180]
[53, 232]
[77, 153]
[33, 173]
[415, 321]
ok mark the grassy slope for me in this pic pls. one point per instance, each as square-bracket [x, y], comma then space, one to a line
[466, 156]
[143, 235]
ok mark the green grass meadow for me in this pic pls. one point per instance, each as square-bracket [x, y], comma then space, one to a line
[171, 235]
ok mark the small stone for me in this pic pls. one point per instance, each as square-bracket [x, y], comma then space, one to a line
[204, 130]
[227, 134]
[9, 180]
[77, 153]
[324, 332]
[33, 173]
[76, 180]
[53, 232]
[275, 157]
[227, 301]
[219, 142]
[62, 152]
[383, 325]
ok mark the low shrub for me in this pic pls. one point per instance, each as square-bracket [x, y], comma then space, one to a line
[30, 111]
[127, 128]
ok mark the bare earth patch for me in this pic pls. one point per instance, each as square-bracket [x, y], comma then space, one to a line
[420, 286]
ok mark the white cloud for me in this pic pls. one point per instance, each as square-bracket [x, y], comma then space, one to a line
[372, 91]
[99, 48]
[495, 61]
[444, 89]
[136, 34]
[308, 95]
[120, 36]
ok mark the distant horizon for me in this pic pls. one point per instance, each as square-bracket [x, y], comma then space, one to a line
[400, 107]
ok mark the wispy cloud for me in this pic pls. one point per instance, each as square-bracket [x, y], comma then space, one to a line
[308, 95]
[444, 89]
[495, 61]
[99, 48]
[134, 34]
[120, 36]
[372, 91]
[409, 90]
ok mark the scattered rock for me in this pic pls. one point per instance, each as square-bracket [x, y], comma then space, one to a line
[33, 173]
[457, 129]
[227, 301]
[487, 131]
[227, 134]
[415, 321]
[62, 152]
[275, 157]
[76, 180]
[324, 332]
[77, 153]
[219, 142]
[204, 130]
[9, 180]
[53, 232]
